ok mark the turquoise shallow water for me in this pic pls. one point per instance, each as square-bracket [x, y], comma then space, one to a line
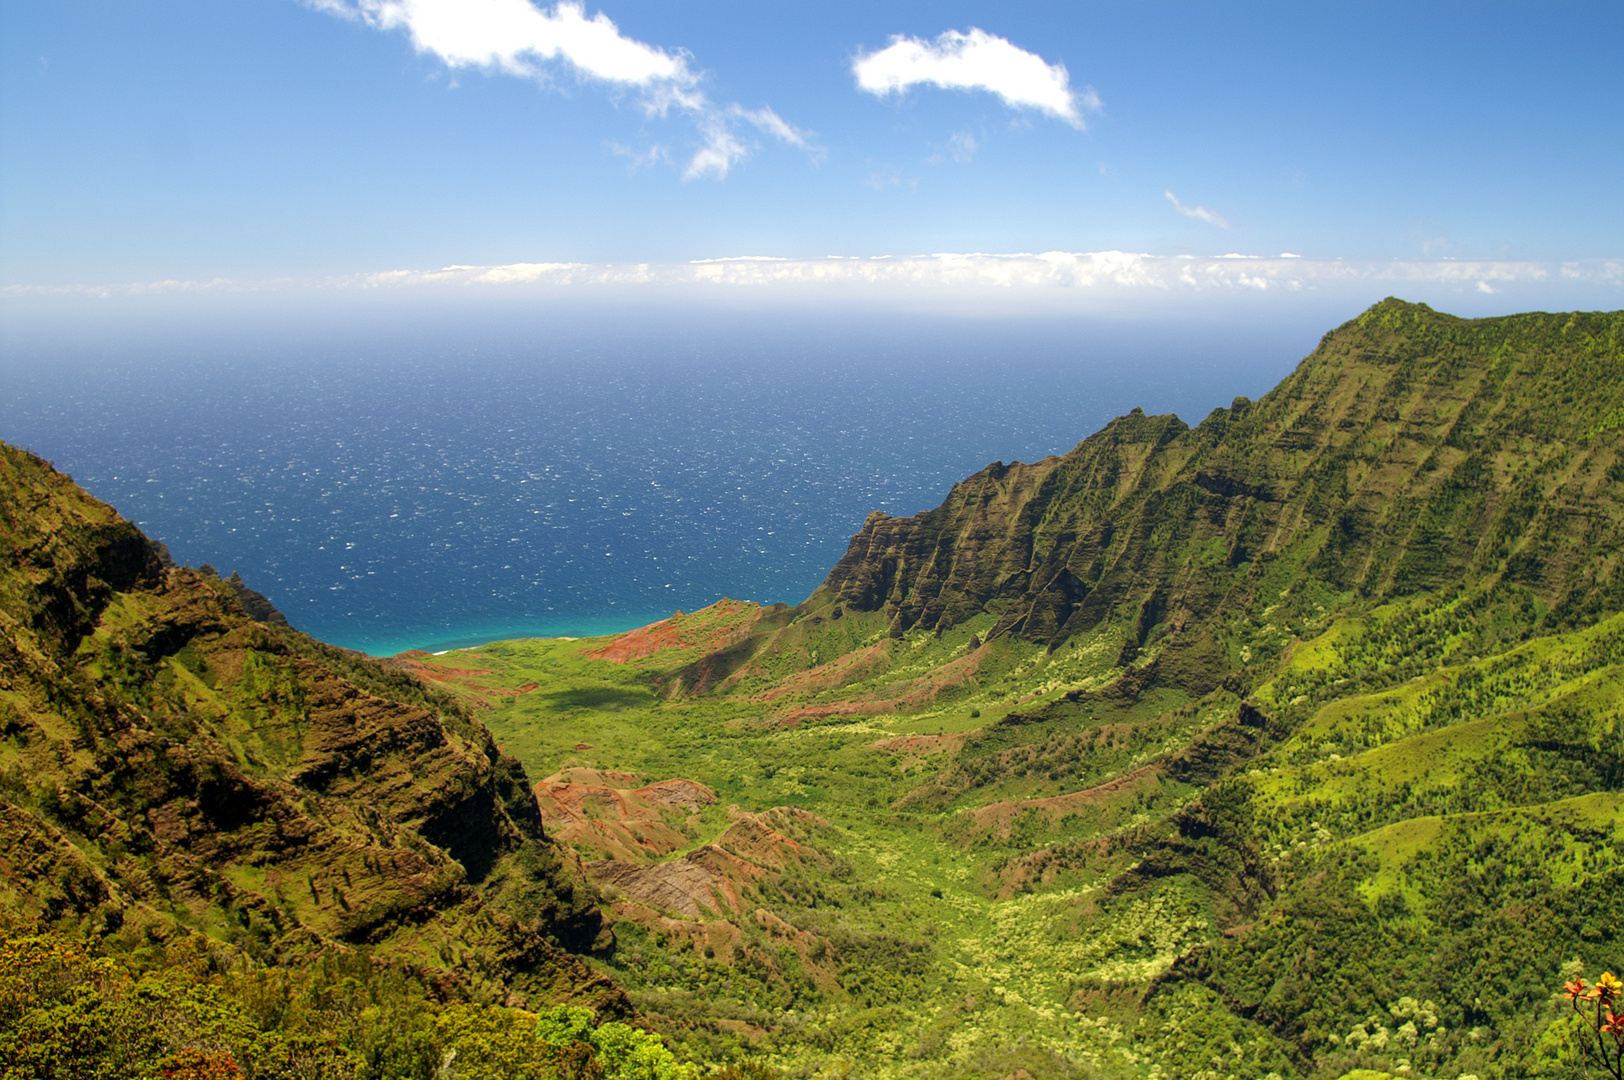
[431, 491]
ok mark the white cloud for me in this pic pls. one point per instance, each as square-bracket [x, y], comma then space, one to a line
[639, 159]
[962, 147]
[515, 37]
[888, 176]
[1108, 274]
[975, 61]
[774, 125]
[1200, 213]
[724, 148]
[1061, 276]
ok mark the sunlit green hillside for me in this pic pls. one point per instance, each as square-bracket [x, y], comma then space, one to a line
[1285, 745]
[1288, 743]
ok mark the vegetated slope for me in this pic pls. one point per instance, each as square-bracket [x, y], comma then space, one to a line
[1301, 749]
[1423, 495]
[169, 764]
[1411, 451]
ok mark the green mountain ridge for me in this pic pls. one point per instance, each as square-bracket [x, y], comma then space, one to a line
[1284, 745]
[1163, 704]
[1412, 450]
[168, 764]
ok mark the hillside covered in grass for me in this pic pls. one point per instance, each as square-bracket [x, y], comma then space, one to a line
[174, 772]
[1287, 743]
[1283, 745]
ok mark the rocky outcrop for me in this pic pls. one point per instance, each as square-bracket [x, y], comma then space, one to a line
[718, 898]
[714, 880]
[255, 603]
[171, 762]
[614, 814]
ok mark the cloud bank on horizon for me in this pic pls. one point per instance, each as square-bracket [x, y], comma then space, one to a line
[1052, 278]
[975, 60]
[515, 37]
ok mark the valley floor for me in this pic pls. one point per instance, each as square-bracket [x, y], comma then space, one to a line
[973, 877]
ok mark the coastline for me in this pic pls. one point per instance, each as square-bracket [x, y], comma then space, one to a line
[449, 638]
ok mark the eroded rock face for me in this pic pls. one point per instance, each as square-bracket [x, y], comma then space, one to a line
[614, 814]
[715, 897]
[258, 607]
[1030, 535]
[685, 887]
[715, 880]
[171, 761]
[637, 826]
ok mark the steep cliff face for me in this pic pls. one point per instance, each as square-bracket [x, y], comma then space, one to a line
[166, 761]
[997, 537]
[1411, 451]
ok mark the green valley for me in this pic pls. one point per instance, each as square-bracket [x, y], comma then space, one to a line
[1100, 748]
[1285, 745]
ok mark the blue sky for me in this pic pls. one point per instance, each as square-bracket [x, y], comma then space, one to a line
[270, 141]
[231, 233]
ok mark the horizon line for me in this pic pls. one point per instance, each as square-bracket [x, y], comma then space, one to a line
[1052, 270]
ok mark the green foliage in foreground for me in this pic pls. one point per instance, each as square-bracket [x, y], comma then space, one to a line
[190, 1011]
[1430, 839]
[1287, 747]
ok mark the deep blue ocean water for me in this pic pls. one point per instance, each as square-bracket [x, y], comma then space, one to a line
[434, 486]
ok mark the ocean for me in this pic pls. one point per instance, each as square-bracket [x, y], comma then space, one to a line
[438, 485]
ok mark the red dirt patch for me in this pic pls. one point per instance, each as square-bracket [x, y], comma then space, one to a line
[419, 663]
[833, 674]
[609, 813]
[707, 895]
[792, 718]
[714, 880]
[696, 631]
[644, 641]
[408, 661]
[446, 674]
